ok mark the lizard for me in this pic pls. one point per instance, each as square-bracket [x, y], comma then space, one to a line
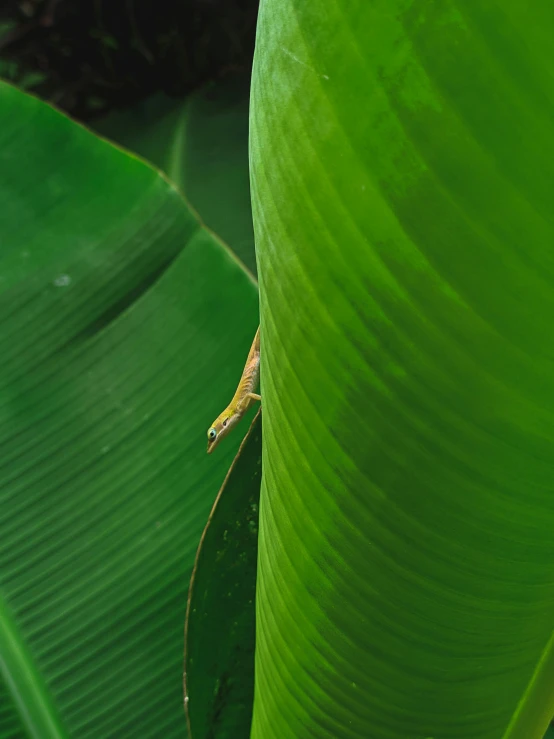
[243, 398]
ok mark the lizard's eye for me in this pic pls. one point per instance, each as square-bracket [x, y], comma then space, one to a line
[212, 433]
[225, 422]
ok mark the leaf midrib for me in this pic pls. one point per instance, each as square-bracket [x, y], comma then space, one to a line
[22, 679]
[535, 709]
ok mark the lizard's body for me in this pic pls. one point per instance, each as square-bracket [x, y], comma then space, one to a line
[243, 398]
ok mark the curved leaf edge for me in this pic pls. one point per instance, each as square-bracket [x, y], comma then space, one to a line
[197, 559]
[193, 211]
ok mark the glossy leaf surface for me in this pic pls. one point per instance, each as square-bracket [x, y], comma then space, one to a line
[403, 170]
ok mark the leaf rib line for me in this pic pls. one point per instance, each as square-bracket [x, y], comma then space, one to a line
[22, 678]
[530, 711]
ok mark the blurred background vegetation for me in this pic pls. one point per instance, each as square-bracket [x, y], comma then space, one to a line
[89, 57]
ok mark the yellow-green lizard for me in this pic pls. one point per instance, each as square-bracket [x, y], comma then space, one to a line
[243, 398]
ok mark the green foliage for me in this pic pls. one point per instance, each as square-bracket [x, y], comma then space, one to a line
[402, 174]
[123, 328]
[220, 630]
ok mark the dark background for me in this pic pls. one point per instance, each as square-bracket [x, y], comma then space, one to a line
[89, 57]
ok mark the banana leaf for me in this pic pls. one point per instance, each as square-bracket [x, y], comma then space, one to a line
[124, 324]
[402, 164]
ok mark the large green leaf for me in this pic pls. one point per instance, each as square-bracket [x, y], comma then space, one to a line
[402, 156]
[123, 328]
[201, 143]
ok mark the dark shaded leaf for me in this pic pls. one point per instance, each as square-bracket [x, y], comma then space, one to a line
[201, 143]
[219, 637]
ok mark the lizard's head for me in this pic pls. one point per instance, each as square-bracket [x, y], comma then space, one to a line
[220, 428]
